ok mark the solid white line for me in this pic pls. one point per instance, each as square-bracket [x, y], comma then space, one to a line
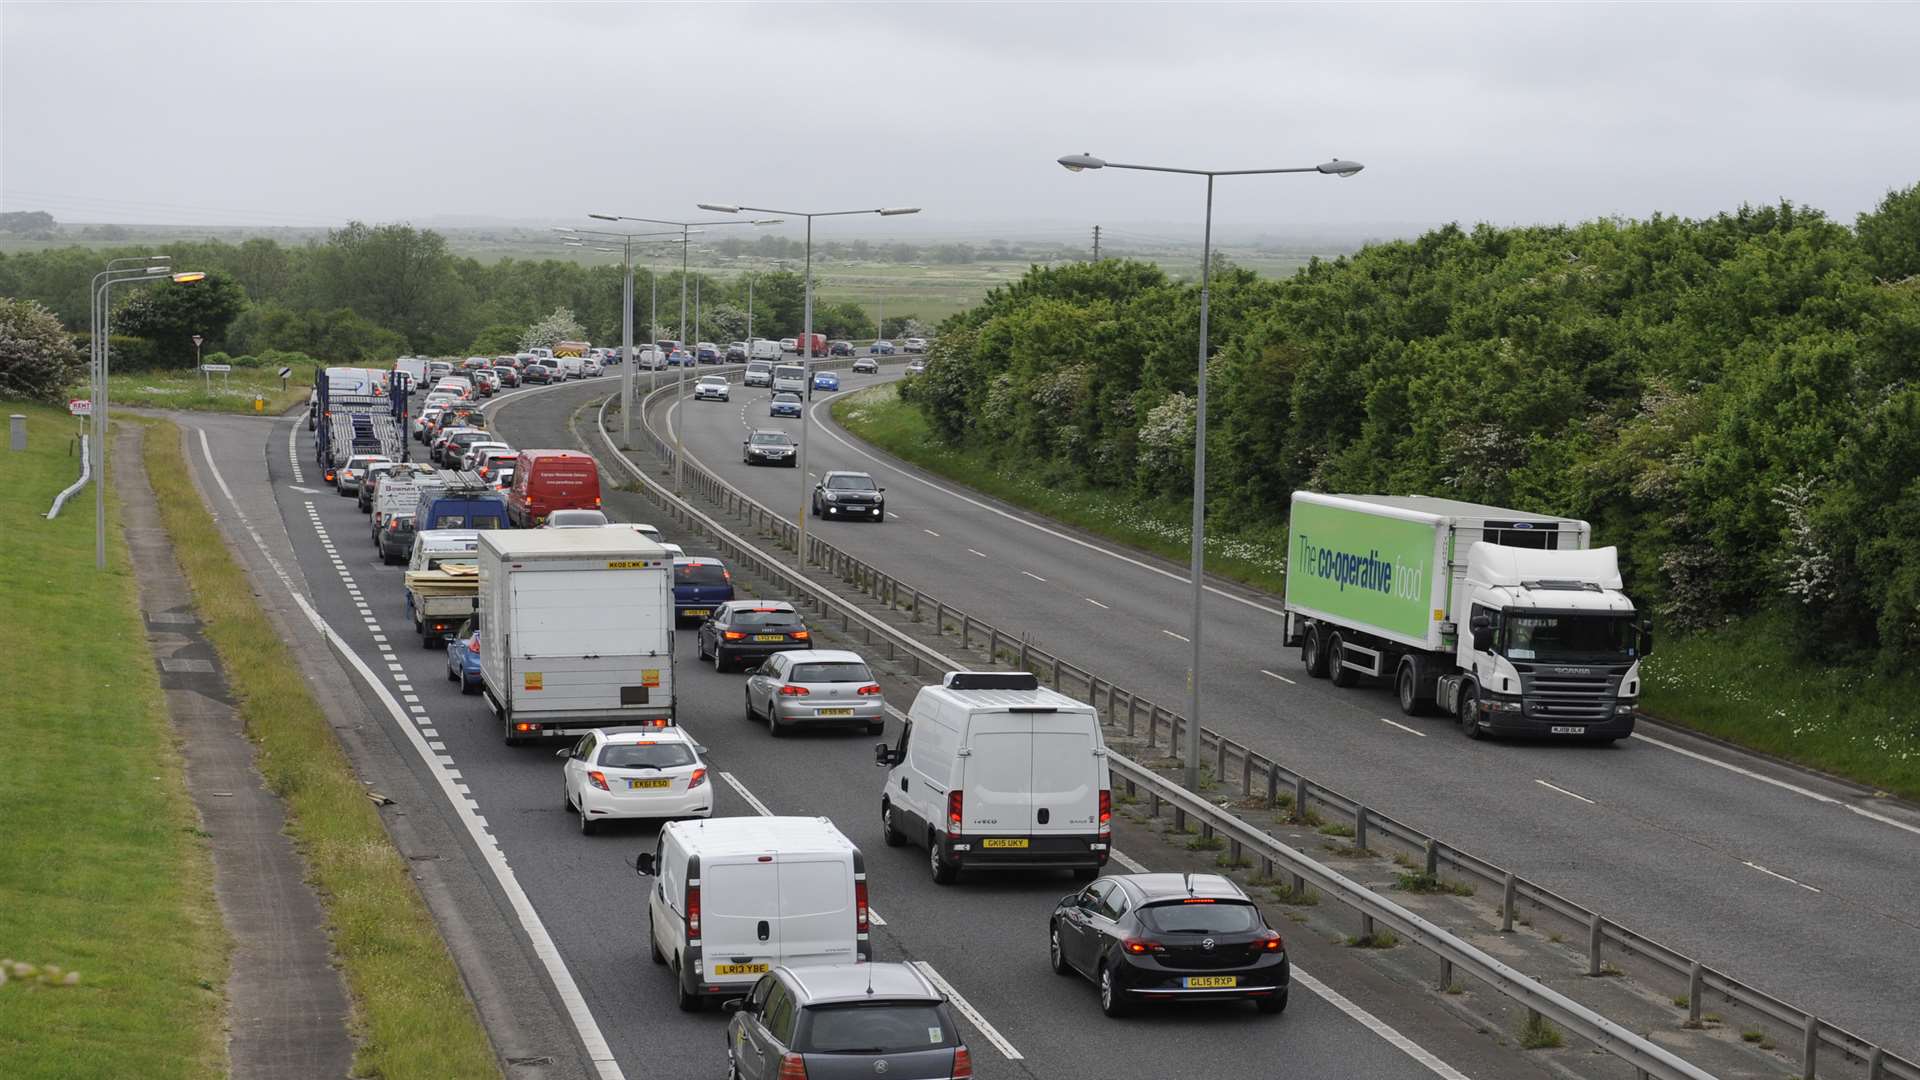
[543, 945]
[1033, 575]
[929, 532]
[1279, 676]
[1133, 865]
[1055, 533]
[1782, 877]
[1782, 784]
[1403, 727]
[1378, 1026]
[982, 554]
[758, 806]
[1097, 604]
[967, 1010]
[1171, 634]
[1567, 793]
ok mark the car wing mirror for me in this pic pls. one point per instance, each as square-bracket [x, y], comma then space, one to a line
[565, 751]
[643, 864]
[734, 1005]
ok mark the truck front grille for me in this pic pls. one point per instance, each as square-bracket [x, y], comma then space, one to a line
[1563, 693]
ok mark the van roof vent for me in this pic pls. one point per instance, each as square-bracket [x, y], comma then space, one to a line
[992, 680]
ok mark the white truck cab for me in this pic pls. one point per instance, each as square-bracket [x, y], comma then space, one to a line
[733, 897]
[992, 769]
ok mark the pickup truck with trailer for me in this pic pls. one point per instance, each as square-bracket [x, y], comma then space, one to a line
[576, 630]
[1506, 620]
[358, 411]
[442, 582]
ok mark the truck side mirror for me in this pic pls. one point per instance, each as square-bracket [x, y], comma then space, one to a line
[1482, 628]
[1646, 639]
[643, 864]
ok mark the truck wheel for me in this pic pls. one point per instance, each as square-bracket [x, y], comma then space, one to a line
[1313, 653]
[1408, 690]
[1470, 711]
[1337, 669]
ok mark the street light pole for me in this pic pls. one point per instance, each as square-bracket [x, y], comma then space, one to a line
[1198, 553]
[806, 354]
[627, 241]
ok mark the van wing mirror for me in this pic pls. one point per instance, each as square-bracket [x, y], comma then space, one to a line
[643, 865]
[882, 754]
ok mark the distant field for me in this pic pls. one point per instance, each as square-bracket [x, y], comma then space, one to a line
[233, 392]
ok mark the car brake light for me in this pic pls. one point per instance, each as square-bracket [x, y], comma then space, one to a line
[329, 476]
[473, 644]
[800, 635]
[962, 1064]
[693, 913]
[956, 800]
[794, 691]
[699, 777]
[860, 906]
[1141, 946]
[870, 690]
[732, 635]
[1106, 810]
[598, 779]
[596, 500]
[792, 1067]
[1273, 942]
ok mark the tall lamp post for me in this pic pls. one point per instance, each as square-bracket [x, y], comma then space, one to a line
[806, 354]
[103, 329]
[686, 228]
[626, 311]
[1078, 163]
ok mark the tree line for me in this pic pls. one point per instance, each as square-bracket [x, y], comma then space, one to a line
[1732, 401]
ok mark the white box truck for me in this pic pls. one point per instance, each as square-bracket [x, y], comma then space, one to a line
[576, 630]
[733, 897]
[1383, 586]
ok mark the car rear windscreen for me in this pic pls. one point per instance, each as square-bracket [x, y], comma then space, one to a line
[847, 672]
[645, 755]
[766, 618]
[885, 1027]
[1224, 917]
[700, 574]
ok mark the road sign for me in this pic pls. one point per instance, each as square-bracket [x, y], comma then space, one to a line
[197, 339]
[286, 372]
[80, 407]
[216, 367]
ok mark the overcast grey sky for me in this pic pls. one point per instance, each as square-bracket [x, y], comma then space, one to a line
[312, 114]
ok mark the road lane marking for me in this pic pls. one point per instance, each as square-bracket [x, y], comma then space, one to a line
[1403, 727]
[1567, 793]
[1378, 1026]
[967, 1010]
[1782, 877]
[982, 554]
[740, 788]
[1279, 676]
[929, 532]
[1033, 575]
[1782, 784]
[304, 490]
[1182, 637]
[568, 991]
[1133, 865]
[1097, 604]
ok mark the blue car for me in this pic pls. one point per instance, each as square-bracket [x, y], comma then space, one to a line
[700, 585]
[880, 348]
[463, 659]
[787, 404]
[679, 358]
[826, 380]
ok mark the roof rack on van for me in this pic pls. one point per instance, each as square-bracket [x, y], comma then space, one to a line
[991, 680]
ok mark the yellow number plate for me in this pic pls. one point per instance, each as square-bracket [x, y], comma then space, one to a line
[836, 712]
[626, 564]
[769, 637]
[1005, 842]
[739, 969]
[1206, 982]
[635, 784]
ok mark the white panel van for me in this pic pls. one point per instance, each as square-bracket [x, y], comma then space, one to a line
[733, 897]
[992, 769]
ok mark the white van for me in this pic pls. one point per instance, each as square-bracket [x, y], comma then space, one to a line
[572, 367]
[764, 349]
[734, 896]
[994, 770]
[790, 378]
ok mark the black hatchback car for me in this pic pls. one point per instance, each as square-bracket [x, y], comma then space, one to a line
[851, 496]
[768, 448]
[744, 630]
[1168, 937]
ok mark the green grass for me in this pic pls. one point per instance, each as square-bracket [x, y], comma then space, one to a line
[231, 393]
[1746, 682]
[1427, 884]
[1538, 1033]
[412, 1012]
[878, 416]
[104, 870]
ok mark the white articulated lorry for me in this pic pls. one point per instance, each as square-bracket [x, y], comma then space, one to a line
[576, 630]
[1506, 620]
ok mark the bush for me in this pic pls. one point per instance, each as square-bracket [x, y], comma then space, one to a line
[38, 361]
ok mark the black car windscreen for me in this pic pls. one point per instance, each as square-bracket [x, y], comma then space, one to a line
[766, 618]
[1201, 918]
[880, 1028]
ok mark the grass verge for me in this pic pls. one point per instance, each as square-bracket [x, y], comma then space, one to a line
[878, 416]
[231, 393]
[411, 1008]
[104, 870]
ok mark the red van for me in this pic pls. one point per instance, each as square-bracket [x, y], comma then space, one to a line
[819, 345]
[549, 480]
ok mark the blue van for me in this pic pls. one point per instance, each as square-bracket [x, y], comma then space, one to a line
[482, 508]
[699, 585]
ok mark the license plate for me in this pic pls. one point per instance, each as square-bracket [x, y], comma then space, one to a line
[1210, 982]
[1569, 731]
[1004, 842]
[633, 785]
[836, 712]
[739, 969]
[769, 637]
[696, 611]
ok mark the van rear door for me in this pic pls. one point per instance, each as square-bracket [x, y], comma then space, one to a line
[739, 917]
[816, 909]
[1067, 777]
[997, 779]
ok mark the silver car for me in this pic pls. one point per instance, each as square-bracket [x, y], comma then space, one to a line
[815, 686]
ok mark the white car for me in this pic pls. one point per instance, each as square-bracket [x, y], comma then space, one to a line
[711, 387]
[674, 550]
[648, 773]
[789, 344]
[914, 345]
[480, 451]
[590, 366]
[575, 519]
[348, 481]
[650, 360]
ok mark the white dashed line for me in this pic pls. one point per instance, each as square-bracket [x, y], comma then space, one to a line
[1098, 604]
[1033, 575]
[1171, 634]
[982, 554]
[1781, 784]
[1133, 865]
[1567, 793]
[758, 806]
[1403, 727]
[929, 532]
[1782, 877]
[1279, 676]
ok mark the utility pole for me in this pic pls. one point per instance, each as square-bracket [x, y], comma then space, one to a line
[1096, 243]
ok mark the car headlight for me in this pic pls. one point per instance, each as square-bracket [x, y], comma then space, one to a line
[831, 497]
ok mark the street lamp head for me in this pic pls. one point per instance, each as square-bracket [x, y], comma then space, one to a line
[156, 269]
[560, 228]
[769, 221]
[1080, 162]
[604, 217]
[719, 208]
[576, 243]
[896, 211]
[1340, 168]
[190, 276]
